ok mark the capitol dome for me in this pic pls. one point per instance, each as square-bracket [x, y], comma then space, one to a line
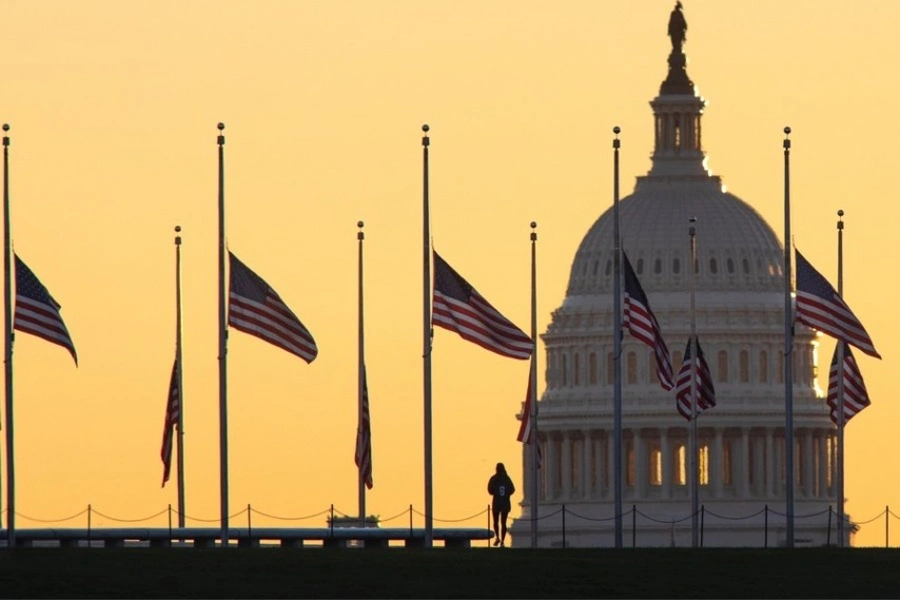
[736, 306]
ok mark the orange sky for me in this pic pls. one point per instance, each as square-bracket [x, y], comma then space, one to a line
[113, 107]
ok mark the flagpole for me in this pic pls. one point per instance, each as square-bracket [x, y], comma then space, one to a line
[840, 391]
[360, 236]
[223, 348]
[535, 501]
[617, 346]
[694, 462]
[426, 332]
[788, 350]
[181, 508]
[8, 349]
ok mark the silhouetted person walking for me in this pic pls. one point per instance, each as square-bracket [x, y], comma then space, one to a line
[501, 487]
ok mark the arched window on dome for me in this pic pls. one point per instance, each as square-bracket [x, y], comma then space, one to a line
[676, 266]
[592, 369]
[632, 368]
[640, 265]
[564, 370]
[576, 367]
[610, 369]
[744, 360]
[713, 265]
[596, 267]
[763, 366]
[746, 266]
[680, 465]
[657, 266]
[723, 367]
[729, 265]
[677, 120]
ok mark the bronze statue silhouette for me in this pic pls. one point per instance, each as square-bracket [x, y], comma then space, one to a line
[677, 28]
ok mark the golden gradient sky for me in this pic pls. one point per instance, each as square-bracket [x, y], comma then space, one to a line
[113, 107]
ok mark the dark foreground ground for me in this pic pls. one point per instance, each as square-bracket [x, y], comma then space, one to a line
[442, 573]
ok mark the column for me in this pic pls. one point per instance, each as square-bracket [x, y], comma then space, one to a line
[770, 464]
[744, 471]
[598, 465]
[551, 465]
[759, 473]
[610, 464]
[640, 464]
[587, 452]
[566, 471]
[717, 471]
[809, 483]
[666, 458]
[823, 463]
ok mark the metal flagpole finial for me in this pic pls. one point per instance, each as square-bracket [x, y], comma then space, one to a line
[5, 137]
[616, 142]
[178, 237]
[221, 138]
[787, 141]
[425, 129]
[840, 223]
[360, 235]
[533, 232]
[692, 230]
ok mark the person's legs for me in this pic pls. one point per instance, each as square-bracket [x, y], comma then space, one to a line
[496, 513]
[503, 516]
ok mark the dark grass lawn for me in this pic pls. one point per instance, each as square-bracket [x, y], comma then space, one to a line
[443, 573]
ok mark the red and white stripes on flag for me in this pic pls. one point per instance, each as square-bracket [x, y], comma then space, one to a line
[706, 393]
[642, 324]
[255, 308]
[526, 431]
[820, 307]
[37, 312]
[457, 306]
[364, 437]
[173, 413]
[856, 397]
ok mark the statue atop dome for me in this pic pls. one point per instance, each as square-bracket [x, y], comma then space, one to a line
[677, 81]
[677, 28]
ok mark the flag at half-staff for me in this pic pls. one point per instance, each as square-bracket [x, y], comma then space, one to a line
[459, 307]
[856, 397]
[255, 308]
[642, 324]
[822, 308]
[37, 312]
[706, 393]
[173, 411]
[364, 437]
[526, 427]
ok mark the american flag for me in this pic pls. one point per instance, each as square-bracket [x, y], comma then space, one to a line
[173, 412]
[364, 437]
[457, 306]
[37, 312]
[820, 307]
[642, 324]
[706, 393]
[255, 308]
[856, 397]
[526, 431]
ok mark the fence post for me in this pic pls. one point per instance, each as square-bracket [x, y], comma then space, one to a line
[633, 525]
[887, 531]
[410, 521]
[89, 526]
[170, 525]
[250, 527]
[489, 523]
[828, 538]
[564, 525]
[766, 511]
[702, 521]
